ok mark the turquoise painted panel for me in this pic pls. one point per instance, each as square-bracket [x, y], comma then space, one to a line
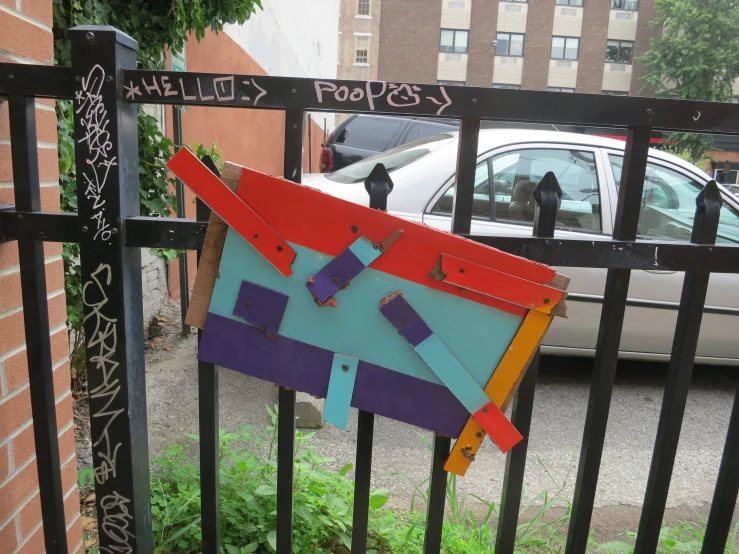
[477, 335]
[362, 248]
[340, 389]
[452, 373]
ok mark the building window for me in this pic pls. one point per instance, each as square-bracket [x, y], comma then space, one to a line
[615, 93]
[363, 7]
[362, 54]
[521, 1]
[568, 2]
[451, 83]
[565, 48]
[509, 44]
[631, 5]
[560, 89]
[453, 41]
[619, 51]
[500, 85]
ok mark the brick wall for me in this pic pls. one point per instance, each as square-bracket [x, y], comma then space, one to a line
[593, 46]
[537, 45]
[26, 38]
[644, 33]
[409, 46]
[483, 23]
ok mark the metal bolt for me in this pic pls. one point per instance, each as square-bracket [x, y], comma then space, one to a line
[19, 216]
[78, 78]
[355, 228]
[403, 323]
[11, 77]
[710, 249]
[114, 231]
[202, 227]
[649, 111]
[279, 248]
[294, 91]
[461, 270]
[247, 304]
[90, 36]
[345, 367]
[629, 245]
[255, 236]
[479, 435]
[335, 279]
[109, 78]
[376, 246]
[84, 228]
[262, 327]
[546, 301]
[484, 410]
[546, 242]
[474, 100]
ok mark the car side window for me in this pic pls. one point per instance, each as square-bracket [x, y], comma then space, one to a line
[515, 176]
[668, 205]
[414, 133]
[480, 200]
[372, 133]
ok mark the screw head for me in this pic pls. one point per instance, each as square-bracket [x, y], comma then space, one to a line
[376, 246]
[295, 91]
[78, 78]
[84, 228]
[484, 410]
[247, 304]
[629, 245]
[11, 77]
[279, 248]
[19, 216]
[479, 435]
[404, 323]
[114, 231]
[255, 236]
[710, 249]
[546, 301]
[546, 242]
[461, 270]
[344, 367]
[90, 36]
[474, 100]
[354, 228]
[109, 78]
[335, 279]
[262, 327]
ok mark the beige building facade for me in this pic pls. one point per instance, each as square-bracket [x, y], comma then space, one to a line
[359, 35]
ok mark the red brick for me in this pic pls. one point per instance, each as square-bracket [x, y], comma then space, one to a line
[48, 167]
[14, 412]
[54, 276]
[35, 544]
[30, 516]
[69, 474]
[10, 292]
[64, 416]
[9, 252]
[24, 446]
[25, 39]
[20, 487]
[4, 461]
[16, 370]
[72, 505]
[74, 536]
[62, 380]
[8, 537]
[38, 9]
[59, 345]
[45, 124]
[52, 249]
[11, 332]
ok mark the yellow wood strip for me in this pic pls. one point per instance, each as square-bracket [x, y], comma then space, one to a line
[501, 386]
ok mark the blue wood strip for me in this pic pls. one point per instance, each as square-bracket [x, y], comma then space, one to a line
[452, 374]
[477, 335]
[340, 389]
[365, 250]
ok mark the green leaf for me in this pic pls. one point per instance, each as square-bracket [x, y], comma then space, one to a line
[272, 539]
[346, 468]
[232, 549]
[249, 548]
[616, 546]
[266, 490]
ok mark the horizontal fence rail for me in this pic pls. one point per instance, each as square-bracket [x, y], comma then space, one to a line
[105, 87]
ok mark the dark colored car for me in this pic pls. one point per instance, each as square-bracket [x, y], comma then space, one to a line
[361, 136]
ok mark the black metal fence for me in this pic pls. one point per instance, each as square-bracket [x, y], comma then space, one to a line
[104, 85]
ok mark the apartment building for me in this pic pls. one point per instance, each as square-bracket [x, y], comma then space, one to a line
[359, 39]
[586, 46]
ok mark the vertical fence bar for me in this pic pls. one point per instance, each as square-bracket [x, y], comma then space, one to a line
[685, 343]
[609, 338]
[105, 132]
[208, 421]
[24, 153]
[293, 169]
[437, 495]
[365, 433]
[547, 196]
[180, 194]
[727, 489]
[469, 132]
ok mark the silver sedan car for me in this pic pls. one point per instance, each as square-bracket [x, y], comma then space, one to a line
[588, 168]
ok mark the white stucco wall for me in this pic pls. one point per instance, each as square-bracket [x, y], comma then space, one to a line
[293, 39]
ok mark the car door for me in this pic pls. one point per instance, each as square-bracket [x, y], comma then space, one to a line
[667, 213]
[507, 208]
[365, 136]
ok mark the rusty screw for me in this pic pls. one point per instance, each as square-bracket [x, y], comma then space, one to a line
[262, 327]
[247, 304]
[255, 236]
[345, 367]
[355, 228]
[404, 323]
[461, 270]
[335, 279]
[546, 301]
[479, 435]
[484, 410]
[279, 248]
[376, 246]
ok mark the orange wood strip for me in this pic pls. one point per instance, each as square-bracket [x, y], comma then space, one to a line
[233, 210]
[498, 284]
[499, 388]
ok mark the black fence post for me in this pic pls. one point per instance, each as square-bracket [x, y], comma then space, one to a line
[547, 195]
[105, 132]
[685, 343]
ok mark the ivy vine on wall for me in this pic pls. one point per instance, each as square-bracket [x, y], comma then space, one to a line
[155, 25]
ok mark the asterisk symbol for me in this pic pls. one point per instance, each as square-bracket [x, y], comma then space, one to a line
[131, 91]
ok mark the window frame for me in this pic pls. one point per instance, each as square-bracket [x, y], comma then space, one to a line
[564, 49]
[516, 1]
[360, 4]
[601, 176]
[357, 50]
[509, 55]
[569, 3]
[620, 43]
[506, 86]
[635, 9]
[450, 83]
[614, 93]
[566, 90]
[454, 41]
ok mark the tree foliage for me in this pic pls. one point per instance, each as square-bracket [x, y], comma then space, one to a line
[695, 58]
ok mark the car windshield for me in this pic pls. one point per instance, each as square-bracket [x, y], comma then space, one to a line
[392, 159]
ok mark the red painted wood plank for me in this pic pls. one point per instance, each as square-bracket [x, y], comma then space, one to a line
[497, 284]
[233, 210]
[495, 424]
[322, 222]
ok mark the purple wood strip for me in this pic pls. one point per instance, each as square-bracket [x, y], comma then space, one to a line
[405, 319]
[307, 368]
[260, 306]
[334, 275]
